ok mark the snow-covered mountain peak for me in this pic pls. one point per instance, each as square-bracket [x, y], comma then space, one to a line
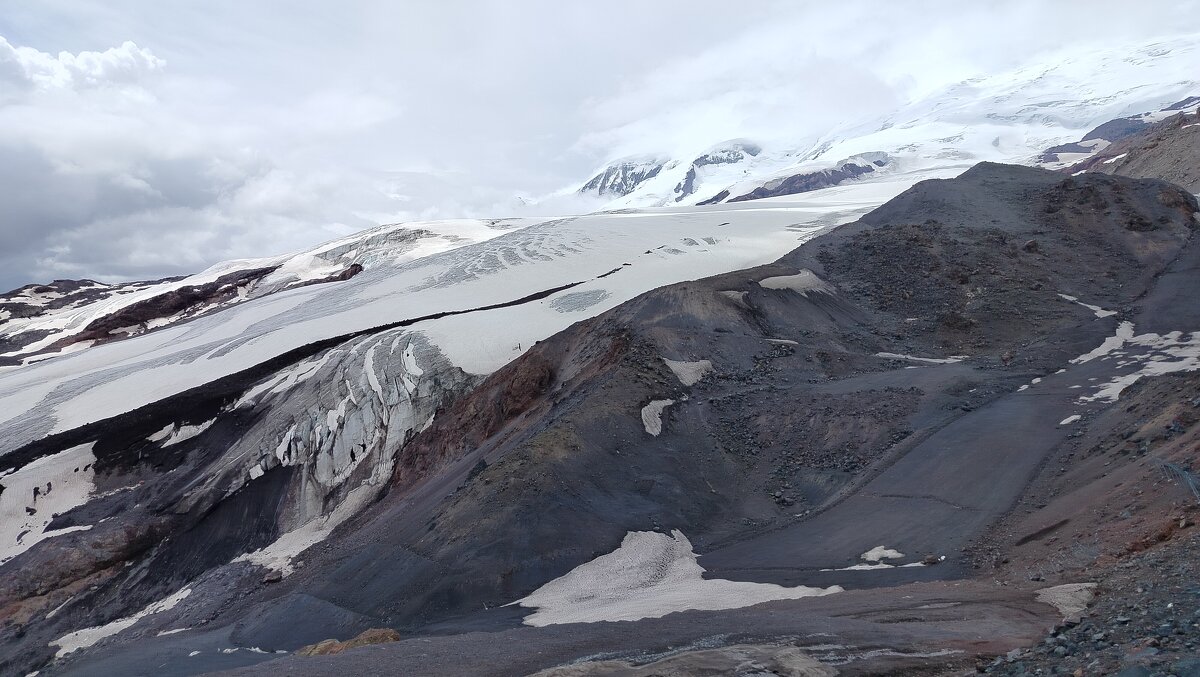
[624, 176]
[1010, 116]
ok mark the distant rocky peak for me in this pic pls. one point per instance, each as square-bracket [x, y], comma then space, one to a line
[728, 153]
[624, 176]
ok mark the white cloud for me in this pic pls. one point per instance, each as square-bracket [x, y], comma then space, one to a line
[116, 66]
[145, 139]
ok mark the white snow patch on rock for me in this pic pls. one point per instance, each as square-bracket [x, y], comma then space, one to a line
[86, 637]
[802, 282]
[1070, 599]
[173, 434]
[48, 486]
[874, 558]
[649, 576]
[652, 415]
[689, 373]
[1097, 310]
[1124, 333]
[410, 362]
[1151, 354]
[1070, 419]
[880, 552]
[931, 360]
[738, 297]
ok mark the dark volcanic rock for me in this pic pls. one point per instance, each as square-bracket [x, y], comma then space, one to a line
[1166, 150]
[864, 391]
[803, 183]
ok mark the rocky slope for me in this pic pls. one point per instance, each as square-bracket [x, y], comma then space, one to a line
[1167, 150]
[850, 395]
[874, 454]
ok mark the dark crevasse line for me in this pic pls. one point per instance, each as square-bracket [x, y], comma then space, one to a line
[206, 401]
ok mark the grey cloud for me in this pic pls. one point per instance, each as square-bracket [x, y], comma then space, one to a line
[145, 139]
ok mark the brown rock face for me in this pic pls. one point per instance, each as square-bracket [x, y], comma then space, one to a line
[1168, 150]
[330, 647]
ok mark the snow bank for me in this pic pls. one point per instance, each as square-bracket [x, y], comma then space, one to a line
[930, 360]
[1097, 310]
[86, 637]
[802, 282]
[649, 576]
[1145, 354]
[689, 373]
[35, 493]
[652, 415]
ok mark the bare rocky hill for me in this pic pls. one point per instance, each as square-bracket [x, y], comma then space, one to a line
[885, 410]
[1167, 150]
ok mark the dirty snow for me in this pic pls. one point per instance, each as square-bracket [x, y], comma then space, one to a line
[689, 373]
[652, 415]
[649, 576]
[880, 552]
[931, 360]
[48, 486]
[174, 434]
[1070, 599]
[802, 282]
[86, 637]
[874, 557]
[278, 555]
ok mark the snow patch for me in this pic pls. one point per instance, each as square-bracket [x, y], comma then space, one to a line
[1070, 419]
[802, 282]
[689, 373]
[1124, 333]
[649, 576]
[35, 493]
[1152, 354]
[874, 557]
[652, 415]
[278, 556]
[1097, 310]
[410, 362]
[880, 552]
[1070, 599]
[81, 639]
[931, 360]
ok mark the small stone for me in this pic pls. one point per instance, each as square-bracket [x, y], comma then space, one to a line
[272, 576]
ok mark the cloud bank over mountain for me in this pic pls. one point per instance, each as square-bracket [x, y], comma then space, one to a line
[139, 142]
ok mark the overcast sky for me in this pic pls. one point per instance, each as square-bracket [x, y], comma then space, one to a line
[142, 139]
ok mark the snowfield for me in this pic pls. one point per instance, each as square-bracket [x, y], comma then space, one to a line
[649, 576]
[1003, 117]
[610, 258]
